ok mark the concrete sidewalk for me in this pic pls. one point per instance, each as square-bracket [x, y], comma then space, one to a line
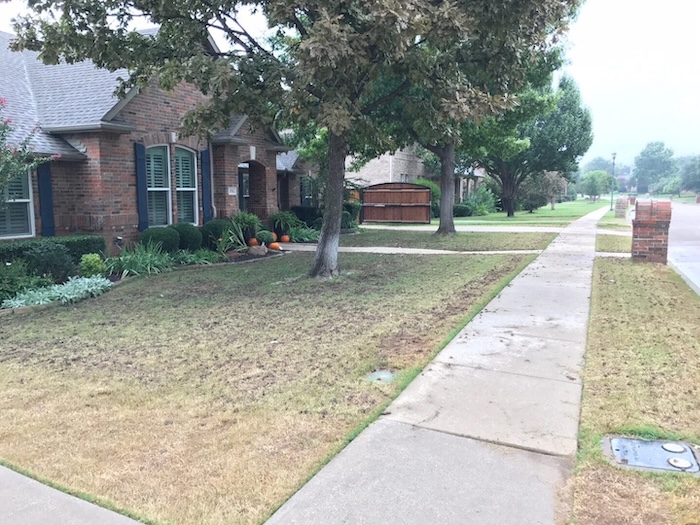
[24, 501]
[486, 435]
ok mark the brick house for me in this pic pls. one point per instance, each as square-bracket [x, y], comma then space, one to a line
[122, 166]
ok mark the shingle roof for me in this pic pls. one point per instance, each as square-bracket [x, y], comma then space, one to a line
[287, 161]
[41, 96]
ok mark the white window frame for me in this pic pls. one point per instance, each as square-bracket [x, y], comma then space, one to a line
[194, 190]
[168, 176]
[30, 208]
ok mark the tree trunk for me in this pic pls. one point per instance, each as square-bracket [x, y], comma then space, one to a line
[553, 201]
[510, 191]
[447, 189]
[326, 260]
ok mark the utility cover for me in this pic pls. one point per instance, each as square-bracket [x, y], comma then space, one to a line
[657, 455]
[381, 376]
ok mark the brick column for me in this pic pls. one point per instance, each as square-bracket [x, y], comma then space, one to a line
[621, 208]
[650, 231]
[633, 199]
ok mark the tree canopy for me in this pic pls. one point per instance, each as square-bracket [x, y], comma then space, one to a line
[16, 159]
[655, 162]
[547, 131]
[330, 63]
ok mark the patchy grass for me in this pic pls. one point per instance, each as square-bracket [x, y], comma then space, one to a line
[613, 243]
[208, 397]
[642, 378]
[564, 213]
[610, 222]
[457, 242]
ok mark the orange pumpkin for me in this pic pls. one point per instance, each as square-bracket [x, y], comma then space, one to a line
[274, 237]
[275, 246]
[285, 238]
[253, 242]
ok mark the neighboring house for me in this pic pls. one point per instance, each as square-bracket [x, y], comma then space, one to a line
[467, 183]
[122, 166]
[402, 166]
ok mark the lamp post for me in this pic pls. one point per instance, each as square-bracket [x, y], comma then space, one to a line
[612, 182]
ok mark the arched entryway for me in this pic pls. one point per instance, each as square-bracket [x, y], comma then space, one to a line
[252, 188]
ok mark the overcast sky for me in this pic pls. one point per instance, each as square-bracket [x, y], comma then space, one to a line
[637, 63]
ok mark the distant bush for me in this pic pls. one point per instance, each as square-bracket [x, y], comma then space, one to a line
[303, 234]
[480, 202]
[213, 230]
[168, 238]
[434, 195]
[346, 222]
[282, 221]
[15, 278]
[307, 214]
[353, 208]
[462, 210]
[190, 236]
[50, 259]
[92, 264]
[77, 245]
[249, 223]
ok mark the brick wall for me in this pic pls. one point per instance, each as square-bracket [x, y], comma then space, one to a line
[650, 231]
[98, 195]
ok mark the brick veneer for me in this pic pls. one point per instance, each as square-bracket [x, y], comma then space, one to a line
[98, 195]
[650, 231]
[621, 207]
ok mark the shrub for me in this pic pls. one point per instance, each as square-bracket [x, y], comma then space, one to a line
[346, 222]
[434, 195]
[203, 256]
[77, 245]
[75, 289]
[168, 238]
[353, 208]
[214, 230]
[282, 221]
[249, 223]
[92, 264]
[318, 223]
[232, 239]
[307, 214]
[15, 278]
[140, 259]
[462, 210]
[51, 259]
[303, 234]
[481, 202]
[190, 236]
[265, 237]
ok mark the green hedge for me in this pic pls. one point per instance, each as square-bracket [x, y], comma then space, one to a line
[77, 245]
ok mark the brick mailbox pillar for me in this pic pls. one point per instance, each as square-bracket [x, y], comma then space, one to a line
[650, 231]
[621, 208]
[633, 199]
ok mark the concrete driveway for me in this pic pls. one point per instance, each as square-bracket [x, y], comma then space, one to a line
[684, 243]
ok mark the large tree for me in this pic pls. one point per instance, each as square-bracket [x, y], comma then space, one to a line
[546, 132]
[690, 173]
[655, 162]
[16, 156]
[322, 67]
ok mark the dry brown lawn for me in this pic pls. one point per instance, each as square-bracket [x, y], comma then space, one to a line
[642, 378]
[209, 396]
[613, 244]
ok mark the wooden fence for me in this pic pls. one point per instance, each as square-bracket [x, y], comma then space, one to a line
[396, 202]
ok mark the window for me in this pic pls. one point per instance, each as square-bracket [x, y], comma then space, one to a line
[16, 208]
[186, 183]
[158, 180]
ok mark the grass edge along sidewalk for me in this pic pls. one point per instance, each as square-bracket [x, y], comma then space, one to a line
[97, 395]
[641, 379]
